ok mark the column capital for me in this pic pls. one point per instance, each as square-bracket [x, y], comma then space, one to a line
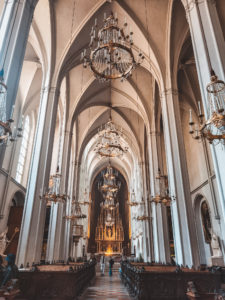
[68, 132]
[169, 91]
[50, 89]
[77, 163]
[154, 133]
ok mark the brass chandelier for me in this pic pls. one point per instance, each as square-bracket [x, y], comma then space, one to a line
[53, 194]
[109, 182]
[6, 133]
[213, 129]
[109, 141]
[133, 202]
[110, 54]
[163, 196]
[76, 213]
[109, 188]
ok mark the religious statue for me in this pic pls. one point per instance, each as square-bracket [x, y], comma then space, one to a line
[3, 241]
[215, 246]
[206, 222]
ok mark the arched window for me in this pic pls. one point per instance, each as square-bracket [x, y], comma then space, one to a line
[23, 150]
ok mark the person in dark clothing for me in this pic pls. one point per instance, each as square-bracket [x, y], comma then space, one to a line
[111, 263]
[2, 269]
[11, 271]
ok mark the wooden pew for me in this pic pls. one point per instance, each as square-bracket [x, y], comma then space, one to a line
[55, 281]
[161, 282]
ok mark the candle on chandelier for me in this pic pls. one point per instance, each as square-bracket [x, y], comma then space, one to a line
[199, 108]
[13, 107]
[190, 120]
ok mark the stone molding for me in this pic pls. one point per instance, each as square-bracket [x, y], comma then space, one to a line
[169, 91]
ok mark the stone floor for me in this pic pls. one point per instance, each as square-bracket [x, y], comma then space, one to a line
[107, 288]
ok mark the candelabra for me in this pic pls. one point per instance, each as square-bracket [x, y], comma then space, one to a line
[76, 214]
[109, 141]
[110, 54]
[143, 218]
[163, 197]
[213, 129]
[6, 133]
[53, 195]
[133, 202]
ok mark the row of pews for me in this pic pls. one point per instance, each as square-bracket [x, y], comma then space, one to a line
[151, 281]
[52, 281]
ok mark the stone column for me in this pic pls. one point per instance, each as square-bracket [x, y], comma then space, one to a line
[216, 47]
[55, 249]
[185, 239]
[15, 26]
[146, 224]
[159, 222]
[31, 233]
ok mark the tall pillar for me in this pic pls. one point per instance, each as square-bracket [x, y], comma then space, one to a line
[15, 26]
[159, 222]
[216, 47]
[56, 235]
[146, 226]
[31, 234]
[185, 239]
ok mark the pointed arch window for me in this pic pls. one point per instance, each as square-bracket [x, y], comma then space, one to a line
[23, 150]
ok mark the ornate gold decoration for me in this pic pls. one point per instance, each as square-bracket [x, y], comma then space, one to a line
[6, 133]
[110, 51]
[164, 196]
[213, 128]
[143, 218]
[53, 194]
[76, 213]
[109, 141]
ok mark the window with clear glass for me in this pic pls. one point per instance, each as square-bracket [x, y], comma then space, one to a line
[23, 150]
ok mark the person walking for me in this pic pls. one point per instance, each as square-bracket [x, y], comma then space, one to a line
[102, 265]
[111, 263]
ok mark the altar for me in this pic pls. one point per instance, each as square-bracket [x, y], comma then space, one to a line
[109, 234]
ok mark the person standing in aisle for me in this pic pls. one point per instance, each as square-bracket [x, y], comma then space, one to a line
[111, 263]
[102, 265]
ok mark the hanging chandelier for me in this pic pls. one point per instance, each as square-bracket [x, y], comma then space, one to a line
[211, 126]
[163, 196]
[133, 202]
[110, 54]
[77, 213]
[213, 129]
[109, 141]
[53, 194]
[109, 183]
[6, 133]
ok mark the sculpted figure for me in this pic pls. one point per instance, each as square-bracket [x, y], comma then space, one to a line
[215, 246]
[3, 241]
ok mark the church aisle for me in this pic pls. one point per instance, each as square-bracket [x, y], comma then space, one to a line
[107, 288]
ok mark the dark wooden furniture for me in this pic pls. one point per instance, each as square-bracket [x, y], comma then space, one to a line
[57, 284]
[160, 282]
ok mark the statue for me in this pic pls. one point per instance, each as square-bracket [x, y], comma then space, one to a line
[3, 241]
[215, 246]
